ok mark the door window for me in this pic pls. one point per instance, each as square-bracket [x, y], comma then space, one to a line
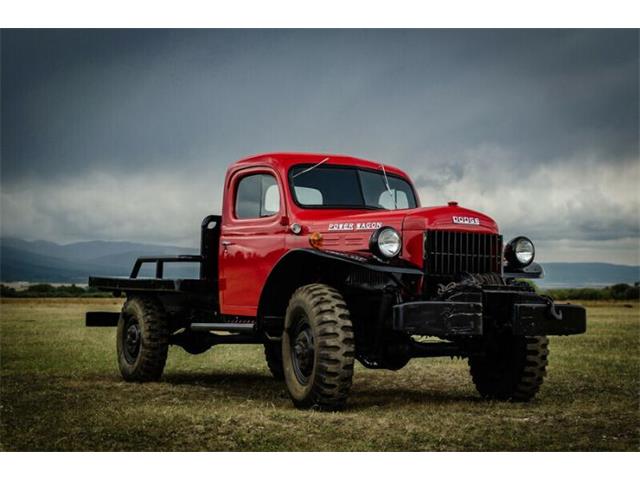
[257, 196]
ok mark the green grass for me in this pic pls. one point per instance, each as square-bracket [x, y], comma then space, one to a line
[61, 390]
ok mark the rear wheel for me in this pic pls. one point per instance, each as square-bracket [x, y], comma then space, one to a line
[318, 348]
[142, 339]
[512, 368]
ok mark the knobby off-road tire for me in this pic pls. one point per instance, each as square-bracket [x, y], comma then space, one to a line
[142, 339]
[318, 348]
[273, 355]
[512, 369]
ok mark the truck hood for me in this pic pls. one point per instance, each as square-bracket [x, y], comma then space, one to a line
[447, 217]
[350, 230]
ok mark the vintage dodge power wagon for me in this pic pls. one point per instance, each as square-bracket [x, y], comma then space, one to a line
[327, 259]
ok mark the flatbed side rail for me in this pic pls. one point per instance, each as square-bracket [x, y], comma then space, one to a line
[205, 285]
[157, 285]
[208, 258]
[161, 260]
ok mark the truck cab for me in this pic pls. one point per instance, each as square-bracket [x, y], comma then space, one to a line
[327, 259]
[273, 203]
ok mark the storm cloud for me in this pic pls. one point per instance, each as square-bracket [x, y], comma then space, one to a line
[127, 134]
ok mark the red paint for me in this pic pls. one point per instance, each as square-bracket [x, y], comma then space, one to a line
[250, 248]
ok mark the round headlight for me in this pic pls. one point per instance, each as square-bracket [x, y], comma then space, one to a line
[386, 242]
[520, 251]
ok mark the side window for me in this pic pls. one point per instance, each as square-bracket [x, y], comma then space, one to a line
[257, 196]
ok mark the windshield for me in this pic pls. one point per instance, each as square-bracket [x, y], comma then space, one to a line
[331, 186]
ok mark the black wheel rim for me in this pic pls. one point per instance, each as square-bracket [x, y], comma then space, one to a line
[131, 340]
[302, 346]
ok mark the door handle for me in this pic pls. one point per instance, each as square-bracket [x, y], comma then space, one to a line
[225, 247]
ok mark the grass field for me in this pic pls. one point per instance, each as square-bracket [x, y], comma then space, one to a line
[61, 390]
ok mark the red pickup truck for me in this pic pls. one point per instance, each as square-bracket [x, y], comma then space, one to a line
[325, 259]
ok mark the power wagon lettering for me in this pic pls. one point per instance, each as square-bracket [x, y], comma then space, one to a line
[342, 227]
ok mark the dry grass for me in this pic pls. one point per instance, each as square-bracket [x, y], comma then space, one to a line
[60, 390]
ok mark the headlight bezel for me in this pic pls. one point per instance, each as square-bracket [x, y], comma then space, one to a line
[377, 249]
[511, 252]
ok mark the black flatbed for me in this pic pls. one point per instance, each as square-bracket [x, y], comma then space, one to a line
[177, 285]
[206, 284]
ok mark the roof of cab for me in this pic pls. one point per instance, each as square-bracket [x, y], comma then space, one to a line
[287, 159]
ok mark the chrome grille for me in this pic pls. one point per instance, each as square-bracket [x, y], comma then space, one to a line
[448, 253]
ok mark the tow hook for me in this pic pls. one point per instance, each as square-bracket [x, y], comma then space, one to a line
[554, 313]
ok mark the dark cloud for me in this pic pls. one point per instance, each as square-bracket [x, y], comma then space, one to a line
[476, 114]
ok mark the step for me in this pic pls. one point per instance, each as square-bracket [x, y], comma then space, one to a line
[224, 327]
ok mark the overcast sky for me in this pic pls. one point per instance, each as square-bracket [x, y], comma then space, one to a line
[126, 135]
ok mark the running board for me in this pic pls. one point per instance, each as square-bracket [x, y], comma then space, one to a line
[223, 327]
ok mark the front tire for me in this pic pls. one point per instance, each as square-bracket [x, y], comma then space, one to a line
[318, 348]
[142, 339]
[512, 368]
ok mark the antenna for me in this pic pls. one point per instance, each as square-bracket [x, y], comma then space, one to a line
[310, 168]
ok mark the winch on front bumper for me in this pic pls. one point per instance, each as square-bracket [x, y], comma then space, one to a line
[495, 308]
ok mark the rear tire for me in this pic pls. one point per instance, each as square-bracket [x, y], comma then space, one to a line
[318, 348]
[142, 339]
[513, 368]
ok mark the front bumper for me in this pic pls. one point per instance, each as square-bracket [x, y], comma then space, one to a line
[520, 313]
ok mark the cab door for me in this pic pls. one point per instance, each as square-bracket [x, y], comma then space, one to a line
[252, 237]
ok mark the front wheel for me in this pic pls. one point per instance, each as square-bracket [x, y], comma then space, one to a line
[512, 368]
[142, 339]
[318, 348]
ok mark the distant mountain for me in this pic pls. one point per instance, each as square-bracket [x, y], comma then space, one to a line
[89, 251]
[41, 261]
[23, 265]
[558, 275]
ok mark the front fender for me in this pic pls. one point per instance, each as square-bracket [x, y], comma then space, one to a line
[534, 270]
[367, 262]
[307, 265]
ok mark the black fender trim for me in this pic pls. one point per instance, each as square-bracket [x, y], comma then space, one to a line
[533, 270]
[369, 263]
[303, 265]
